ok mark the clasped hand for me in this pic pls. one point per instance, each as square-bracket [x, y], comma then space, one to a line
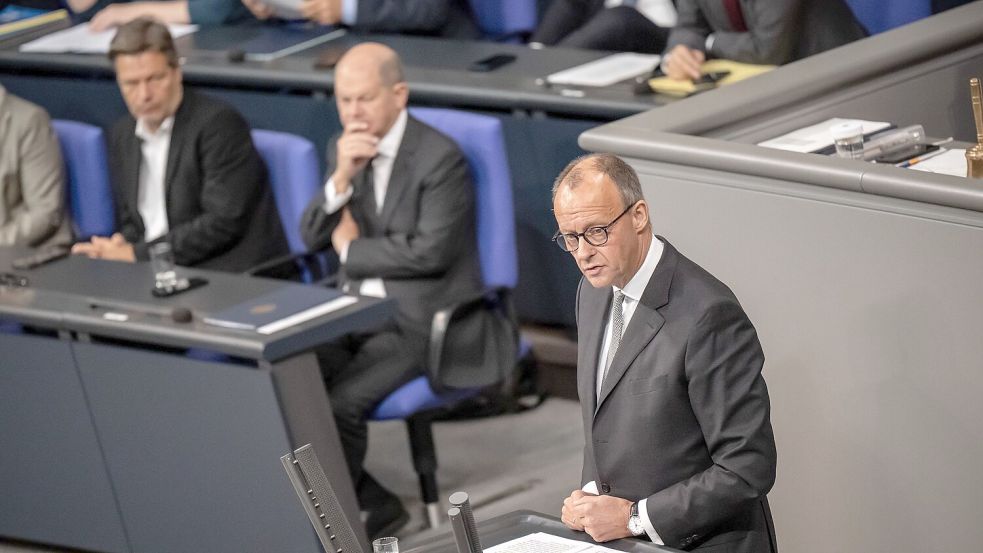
[603, 517]
[115, 248]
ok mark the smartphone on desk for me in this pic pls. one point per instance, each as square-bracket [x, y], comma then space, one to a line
[709, 80]
[491, 63]
[900, 157]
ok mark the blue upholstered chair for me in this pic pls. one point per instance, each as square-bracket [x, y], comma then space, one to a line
[481, 140]
[505, 20]
[878, 16]
[90, 197]
[294, 175]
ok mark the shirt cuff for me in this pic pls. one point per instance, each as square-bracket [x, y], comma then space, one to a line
[647, 524]
[590, 487]
[349, 12]
[334, 201]
[343, 254]
[708, 45]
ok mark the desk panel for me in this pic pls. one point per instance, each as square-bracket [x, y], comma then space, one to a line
[49, 441]
[194, 451]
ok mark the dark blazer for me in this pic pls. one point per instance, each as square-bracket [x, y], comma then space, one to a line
[779, 31]
[446, 18]
[423, 243]
[683, 416]
[220, 209]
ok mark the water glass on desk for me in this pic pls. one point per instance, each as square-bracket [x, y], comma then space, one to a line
[849, 140]
[385, 545]
[162, 263]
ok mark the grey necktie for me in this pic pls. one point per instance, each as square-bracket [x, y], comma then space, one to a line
[617, 328]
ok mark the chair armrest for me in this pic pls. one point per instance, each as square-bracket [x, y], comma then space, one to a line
[312, 267]
[474, 342]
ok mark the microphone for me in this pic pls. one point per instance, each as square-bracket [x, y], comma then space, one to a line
[461, 501]
[236, 55]
[460, 531]
[121, 311]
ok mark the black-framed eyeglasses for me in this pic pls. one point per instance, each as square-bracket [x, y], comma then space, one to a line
[595, 236]
[12, 280]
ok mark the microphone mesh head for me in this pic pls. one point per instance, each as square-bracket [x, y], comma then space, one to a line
[342, 536]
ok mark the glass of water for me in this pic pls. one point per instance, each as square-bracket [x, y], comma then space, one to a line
[385, 545]
[162, 263]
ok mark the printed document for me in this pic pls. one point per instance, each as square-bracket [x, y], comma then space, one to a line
[606, 71]
[952, 162]
[80, 40]
[541, 542]
[816, 137]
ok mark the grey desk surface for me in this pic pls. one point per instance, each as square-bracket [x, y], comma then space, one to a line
[913, 74]
[436, 70]
[520, 523]
[61, 294]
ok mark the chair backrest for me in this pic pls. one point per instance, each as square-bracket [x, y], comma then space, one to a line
[879, 16]
[504, 19]
[481, 140]
[294, 175]
[89, 194]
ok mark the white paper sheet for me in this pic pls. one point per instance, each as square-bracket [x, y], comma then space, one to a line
[606, 71]
[952, 162]
[287, 9]
[816, 137]
[80, 40]
[541, 542]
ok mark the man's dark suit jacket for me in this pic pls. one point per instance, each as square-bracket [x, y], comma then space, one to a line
[446, 18]
[779, 31]
[220, 208]
[683, 415]
[423, 242]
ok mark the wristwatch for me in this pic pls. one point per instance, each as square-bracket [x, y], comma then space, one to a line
[635, 521]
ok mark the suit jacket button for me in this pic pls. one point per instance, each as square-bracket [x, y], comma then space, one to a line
[605, 488]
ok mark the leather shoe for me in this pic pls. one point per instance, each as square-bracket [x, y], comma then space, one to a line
[383, 512]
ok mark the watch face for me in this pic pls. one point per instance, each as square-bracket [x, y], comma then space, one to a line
[635, 526]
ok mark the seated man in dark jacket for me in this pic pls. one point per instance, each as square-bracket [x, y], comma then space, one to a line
[184, 167]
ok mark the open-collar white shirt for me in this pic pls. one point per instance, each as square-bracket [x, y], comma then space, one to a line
[152, 190]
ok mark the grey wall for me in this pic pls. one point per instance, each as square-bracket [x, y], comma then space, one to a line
[869, 312]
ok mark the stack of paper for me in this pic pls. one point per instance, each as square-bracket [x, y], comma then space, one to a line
[80, 40]
[541, 542]
[816, 137]
[951, 162]
[606, 71]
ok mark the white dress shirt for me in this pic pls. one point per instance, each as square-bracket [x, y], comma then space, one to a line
[633, 293]
[382, 168]
[660, 12]
[152, 191]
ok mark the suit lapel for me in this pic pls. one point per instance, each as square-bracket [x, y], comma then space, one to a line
[130, 161]
[593, 301]
[645, 322]
[399, 178]
[176, 148]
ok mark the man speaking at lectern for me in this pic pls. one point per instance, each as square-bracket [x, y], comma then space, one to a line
[679, 445]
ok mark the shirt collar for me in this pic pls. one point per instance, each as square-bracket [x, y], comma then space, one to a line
[165, 129]
[636, 286]
[389, 144]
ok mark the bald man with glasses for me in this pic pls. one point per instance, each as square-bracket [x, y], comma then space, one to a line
[679, 446]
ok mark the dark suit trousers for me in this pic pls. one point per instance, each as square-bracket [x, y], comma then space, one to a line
[360, 370]
[588, 24]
